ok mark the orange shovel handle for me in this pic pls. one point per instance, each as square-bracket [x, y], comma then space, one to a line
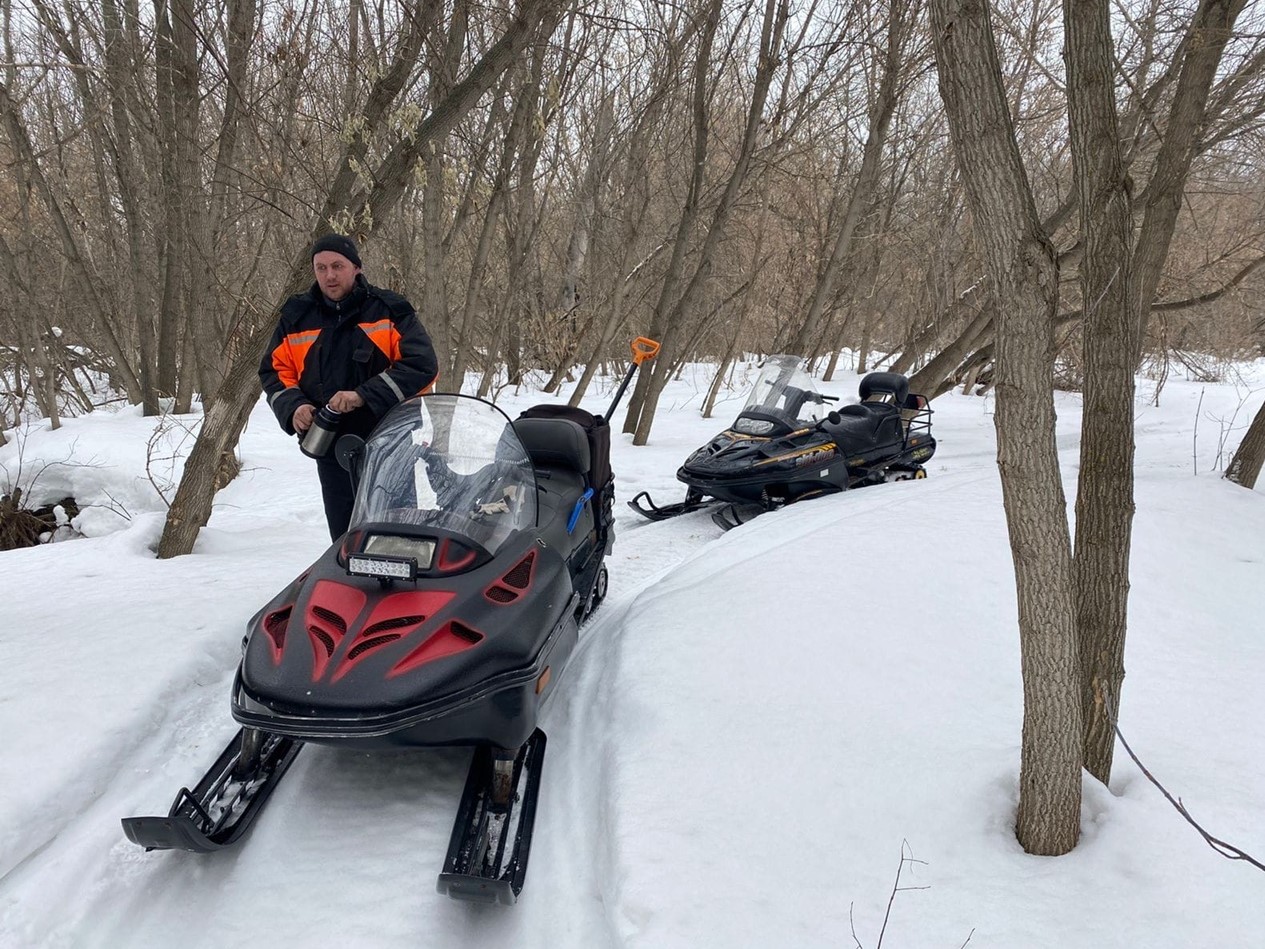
[644, 349]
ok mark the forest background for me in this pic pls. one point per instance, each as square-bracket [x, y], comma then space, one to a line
[979, 194]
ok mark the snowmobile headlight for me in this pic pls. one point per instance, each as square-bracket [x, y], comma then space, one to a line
[418, 550]
[752, 426]
[384, 568]
[391, 557]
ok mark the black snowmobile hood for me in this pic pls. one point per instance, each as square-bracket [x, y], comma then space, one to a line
[733, 455]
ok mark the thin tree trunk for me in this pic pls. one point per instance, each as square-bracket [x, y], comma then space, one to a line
[660, 324]
[1104, 498]
[587, 204]
[120, 72]
[1245, 466]
[1023, 263]
[1203, 47]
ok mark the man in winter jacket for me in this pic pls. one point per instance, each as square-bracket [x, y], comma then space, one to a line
[347, 344]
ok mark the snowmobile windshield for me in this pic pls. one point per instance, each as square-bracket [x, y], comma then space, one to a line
[447, 461]
[783, 392]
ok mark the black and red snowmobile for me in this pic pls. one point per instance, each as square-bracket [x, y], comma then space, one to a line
[444, 616]
[785, 446]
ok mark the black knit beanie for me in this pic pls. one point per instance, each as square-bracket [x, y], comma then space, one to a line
[339, 244]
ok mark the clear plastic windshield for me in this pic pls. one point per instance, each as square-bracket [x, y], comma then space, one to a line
[447, 461]
[782, 390]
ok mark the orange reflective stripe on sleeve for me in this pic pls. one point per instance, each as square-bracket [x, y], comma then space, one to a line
[288, 358]
[385, 336]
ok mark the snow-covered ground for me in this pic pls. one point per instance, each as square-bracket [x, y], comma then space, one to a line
[760, 729]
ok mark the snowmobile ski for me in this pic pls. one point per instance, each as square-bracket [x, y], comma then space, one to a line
[491, 836]
[735, 515]
[225, 802]
[644, 506]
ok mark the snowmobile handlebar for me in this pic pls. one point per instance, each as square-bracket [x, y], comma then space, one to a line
[643, 350]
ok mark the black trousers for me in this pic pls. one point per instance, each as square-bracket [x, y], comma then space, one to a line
[337, 493]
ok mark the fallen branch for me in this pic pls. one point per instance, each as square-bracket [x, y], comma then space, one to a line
[1229, 851]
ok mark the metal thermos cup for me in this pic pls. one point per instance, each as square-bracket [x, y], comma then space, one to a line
[320, 437]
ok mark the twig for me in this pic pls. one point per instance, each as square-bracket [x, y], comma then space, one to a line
[1229, 851]
[1194, 446]
[897, 888]
[853, 926]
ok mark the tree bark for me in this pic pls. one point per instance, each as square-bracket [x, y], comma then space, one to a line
[1022, 261]
[1245, 466]
[1109, 327]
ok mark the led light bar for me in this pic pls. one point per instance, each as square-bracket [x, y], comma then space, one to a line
[385, 568]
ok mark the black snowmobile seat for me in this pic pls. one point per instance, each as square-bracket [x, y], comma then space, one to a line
[866, 424]
[597, 432]
[555, 443]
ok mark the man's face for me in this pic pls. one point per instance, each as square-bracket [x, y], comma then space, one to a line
[335, 274]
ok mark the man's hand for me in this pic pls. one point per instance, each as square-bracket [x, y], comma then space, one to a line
[302, 418]
[346, 400]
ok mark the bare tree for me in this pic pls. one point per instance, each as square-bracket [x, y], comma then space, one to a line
[1022, 262]
[674, 301]
[191, 507]
[902, 17]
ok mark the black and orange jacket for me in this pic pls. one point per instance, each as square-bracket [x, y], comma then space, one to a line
[370, 341]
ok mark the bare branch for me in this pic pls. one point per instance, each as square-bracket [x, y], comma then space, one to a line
[1229, 851]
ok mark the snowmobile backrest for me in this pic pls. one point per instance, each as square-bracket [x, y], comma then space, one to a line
[596, 431]
[915, 414]
[555, 443]
[889, 387]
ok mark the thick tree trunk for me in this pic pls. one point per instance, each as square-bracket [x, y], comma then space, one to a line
[1023, 264]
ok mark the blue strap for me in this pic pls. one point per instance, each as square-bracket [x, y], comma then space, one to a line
[575, 511]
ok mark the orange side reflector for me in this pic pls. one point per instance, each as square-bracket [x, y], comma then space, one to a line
[543, 680]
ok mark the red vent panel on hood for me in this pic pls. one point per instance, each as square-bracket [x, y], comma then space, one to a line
[451, 638]
[275, 626]
[516, 582]
[395, 616]
[331, 609]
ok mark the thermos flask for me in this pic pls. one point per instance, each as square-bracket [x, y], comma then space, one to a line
[320, 436]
